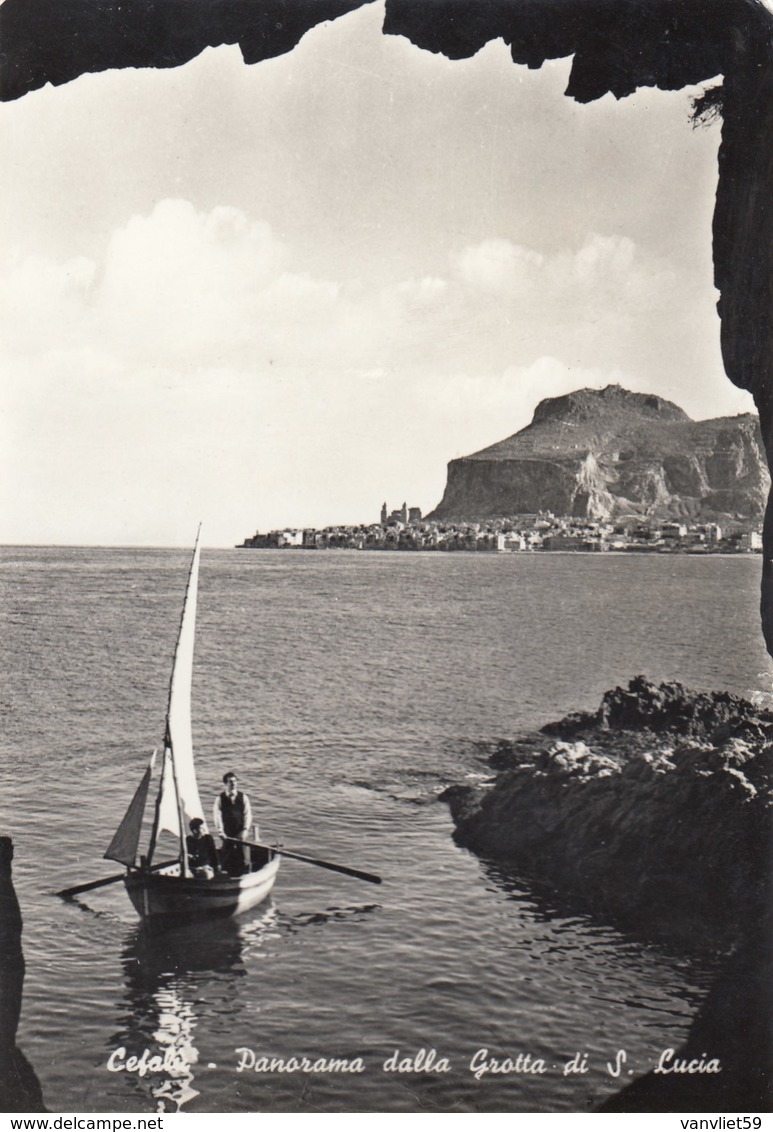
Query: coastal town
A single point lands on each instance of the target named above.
(405, 529)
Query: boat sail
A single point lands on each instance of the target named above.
(171, 889)
(126, 840)
(178, 799)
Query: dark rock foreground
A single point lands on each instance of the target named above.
(655, 811)
(734, 1025)
(19, 1087)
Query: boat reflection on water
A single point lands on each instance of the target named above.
(176, 977)
(165, 972)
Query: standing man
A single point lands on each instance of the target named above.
(233, 818)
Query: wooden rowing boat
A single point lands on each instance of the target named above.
(171, 890)
(168, 893)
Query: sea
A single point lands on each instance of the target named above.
(347, 690)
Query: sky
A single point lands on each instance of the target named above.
(282, 294)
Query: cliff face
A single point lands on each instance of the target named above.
(608, 453)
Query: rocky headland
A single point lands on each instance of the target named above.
(604, 454)
(654, 810)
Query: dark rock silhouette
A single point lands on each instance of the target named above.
(734, 1025)
(606, 453)
(19, 1087)
(54, 41)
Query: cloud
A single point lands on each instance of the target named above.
(422, 293)
(190, 288)
(497, 266)
(174, 287)
(201, 352)
(600, 268)
(179, 282)
(185, 289)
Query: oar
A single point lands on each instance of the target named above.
(309, 860)
(78, 888)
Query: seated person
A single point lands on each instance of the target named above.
(202, 852)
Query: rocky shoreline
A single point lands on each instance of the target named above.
(654, 810)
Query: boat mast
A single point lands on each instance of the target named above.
(154, 831)
(178, 718)
(180, 811)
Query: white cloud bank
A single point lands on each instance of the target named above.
(279, 294)
(184, 288)
(203, 347)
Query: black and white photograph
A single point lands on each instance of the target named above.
(386, 683)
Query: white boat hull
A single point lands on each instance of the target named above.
(167, 894)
